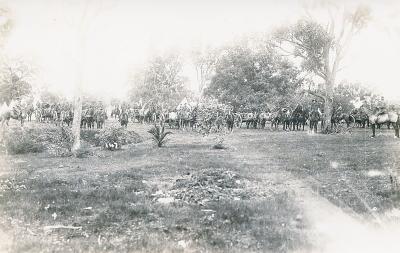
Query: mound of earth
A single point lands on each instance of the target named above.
(211, 185)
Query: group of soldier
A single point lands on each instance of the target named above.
(219, 115)
(93, 113)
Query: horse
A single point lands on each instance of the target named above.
(299, 118)
(194, 118)
(89, 117)
(67, 117)
(361, 119)
(29, 111)
(337, 118)
(115, 113)
(238, 119)
(390, 118)
(172, 119)
(184, 118)
(6, 115)
(275, 120)
(100, 117)
(285, 118)
(46, 114)
(314, 118)
(230, 121)
(250, 119)
(38, 114)
(124, 119)
(264, 117)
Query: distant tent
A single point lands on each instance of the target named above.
(4, 108)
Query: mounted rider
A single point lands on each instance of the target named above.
(315, 107)
(381, 106)
(298, 109)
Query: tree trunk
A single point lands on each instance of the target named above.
(328, 113)
(76, 124)
(328, 105)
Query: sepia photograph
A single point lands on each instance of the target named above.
(199, 126)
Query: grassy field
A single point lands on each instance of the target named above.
(188, 197)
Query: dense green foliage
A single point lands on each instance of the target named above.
(250, 79)
(161, 83)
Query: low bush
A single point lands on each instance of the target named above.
(21, 141)
(57, 141)
(33, 140)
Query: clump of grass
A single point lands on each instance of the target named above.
(159, 135)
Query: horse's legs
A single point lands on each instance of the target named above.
(373, 130)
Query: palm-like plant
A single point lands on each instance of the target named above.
(159, 135)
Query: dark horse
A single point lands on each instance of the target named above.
(299, 118)
(67, 117)
(361, 118)
(123, 119)
(337, 118)
(230, 121)
(88, 118)
(314, 118)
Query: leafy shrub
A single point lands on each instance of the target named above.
(56, 140)
(22, 141)
(159, 135)
(113, 138)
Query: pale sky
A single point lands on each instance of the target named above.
(122, 34)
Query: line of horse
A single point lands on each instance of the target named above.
(59, 114)
(291, 120)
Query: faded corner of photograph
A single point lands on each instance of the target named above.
(199, 126)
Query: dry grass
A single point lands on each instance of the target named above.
(140, 199)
